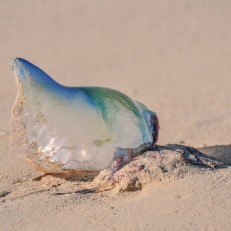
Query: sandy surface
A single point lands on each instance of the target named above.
(174, 56)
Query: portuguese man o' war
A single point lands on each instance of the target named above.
(59, 129)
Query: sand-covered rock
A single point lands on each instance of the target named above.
(170, 162)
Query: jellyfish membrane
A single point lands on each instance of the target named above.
(60, 129)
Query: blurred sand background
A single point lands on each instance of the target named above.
(173, 56)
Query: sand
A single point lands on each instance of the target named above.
(173, 56)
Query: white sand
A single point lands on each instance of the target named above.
(173, 56)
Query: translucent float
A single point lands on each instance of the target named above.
(60, 129)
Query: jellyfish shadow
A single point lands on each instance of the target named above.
(219, 152)
(218, 156)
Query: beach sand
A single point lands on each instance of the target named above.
(173, 56)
